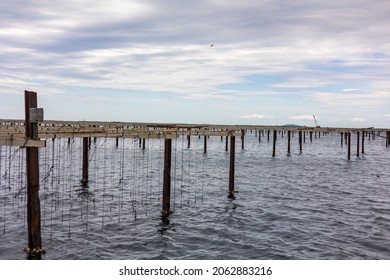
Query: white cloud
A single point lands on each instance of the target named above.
(255, 116)
(303, 117)
(358, 120)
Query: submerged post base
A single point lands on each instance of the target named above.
(34, 252)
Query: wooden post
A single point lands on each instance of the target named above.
(188, 140)
(205, 145)
(227, 144)
(363, 142)
(231, 169)
(342, 138)
(166, 207)
(84, 179)
(143, 143)
(288, 143)
(242, 139)
(34, 249)
(357, 143)
(117, 142)
(311, 136)
(300, 141)
(259, 136)
(304, 137)
(349, 145)
(268, 135)
(274, 144)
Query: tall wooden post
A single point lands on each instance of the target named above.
(358, 143)
(311, 136)
(363, 142)
(259, 136)
(231, 168)
(143, 143)
(242, 139)
(84, 179)
(274, 144)
(205, 145)
(188, 141)
(227, 144)
(34, 249)
(288, 143)
(268, 135)
(300, 141)
(304, 137)
(166, 207)
(342, 138)
(349, 145)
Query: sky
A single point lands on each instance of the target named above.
(262, 62)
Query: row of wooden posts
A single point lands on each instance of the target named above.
(33, 200)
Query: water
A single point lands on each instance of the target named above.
(316, 205)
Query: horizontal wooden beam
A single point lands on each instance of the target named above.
(79, 129)
(19, 142)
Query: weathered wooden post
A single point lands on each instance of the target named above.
(300, 141)
(288, 143)
(357, 143)
(166, 207)
(189, 138)
(231, 168)
(274, 144)
(84, 179)
(304, 137)
(227, 144)
(143, 143)
(205, 145)
(342, 138)
(32, 116)
(311, 136)
(349, 145)
(363, 142)
(268, 135)
(259, 136)
(242, 139)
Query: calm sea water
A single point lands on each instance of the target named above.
(316, 205)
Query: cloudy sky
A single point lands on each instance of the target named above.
(272, 62)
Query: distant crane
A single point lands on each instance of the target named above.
(315, 121)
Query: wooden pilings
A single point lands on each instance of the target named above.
(300, 141)
(227, 143)
(363, 132)
(34, 249)
(242, 139)
(357, 143)
(274, 144)
(231, 168)
(288, 143)
(387, 139)
(205, 145)
(84, 179)
(166, 207)
(349, 145)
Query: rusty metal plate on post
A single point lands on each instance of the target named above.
(36, 115)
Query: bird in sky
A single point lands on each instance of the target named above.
(211, 45)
